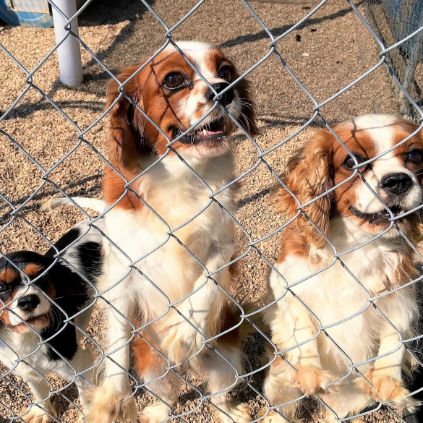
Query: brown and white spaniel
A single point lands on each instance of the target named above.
(170, 229)
(344, 301)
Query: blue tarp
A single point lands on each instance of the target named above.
(15, 18)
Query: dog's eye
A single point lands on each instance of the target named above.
(174, 80)
(225, 72)
(4, 288)
(349, 161)
(415, 156)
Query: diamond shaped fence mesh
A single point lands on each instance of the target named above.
(310, 64)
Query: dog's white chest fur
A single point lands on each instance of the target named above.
(169, 239)
(16, 349)
(339, 295)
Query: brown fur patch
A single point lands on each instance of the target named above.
(248, 111)
(308, 177)
(278, 363)
(230, 317)
(8, 275)
(32, 269)
(146, 358)
(4, 316)
(294, 243)
(114, 190)
(51, 291)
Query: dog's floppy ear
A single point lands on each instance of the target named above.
(247, 118)
(126, 121)
(310, 175)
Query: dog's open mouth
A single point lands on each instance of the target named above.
(378, 218)
(41, 318)
(37, 322)
(211, 131)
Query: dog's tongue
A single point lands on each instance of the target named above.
(207, 132)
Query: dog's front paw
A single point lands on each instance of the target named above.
(108, 405)
(239, 413)
(40, 415)
(309, 379)
(181, 342)
(388, 389)
(155, 413)
(271, 417)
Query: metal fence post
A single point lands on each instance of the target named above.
(70, 66)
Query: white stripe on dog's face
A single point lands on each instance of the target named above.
(171, 91)
(196, 105)
(383, 131)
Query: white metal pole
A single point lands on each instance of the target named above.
(70, 66)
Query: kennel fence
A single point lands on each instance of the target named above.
(405, 43)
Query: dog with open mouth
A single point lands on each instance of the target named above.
(342, 288)
(170, 199)
(44, 310)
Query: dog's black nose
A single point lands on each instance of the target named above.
(396, 183)
(226, 98)
(29, 302)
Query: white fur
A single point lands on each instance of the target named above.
(178, 197)
(381, 129)
(326, 324)
(27, 356)
(195, 105)
(152, 265)
(83, 202)
(338, 299)
(170, 272)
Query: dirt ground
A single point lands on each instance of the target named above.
(326, 53)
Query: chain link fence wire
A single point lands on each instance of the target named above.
(405, 42)
(394, 21)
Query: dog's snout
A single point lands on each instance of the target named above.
(396, 183)
(226, 98)
(29, 302)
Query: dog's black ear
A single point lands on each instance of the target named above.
(29, 260)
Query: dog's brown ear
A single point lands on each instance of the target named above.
(309, 176)
(248, 113)
(126, 121)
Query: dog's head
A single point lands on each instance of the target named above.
(175, 97)
(376, 177)
(25, 305)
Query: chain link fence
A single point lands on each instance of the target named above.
(21, 214)
(393, 22)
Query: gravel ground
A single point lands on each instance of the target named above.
(326, 53)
